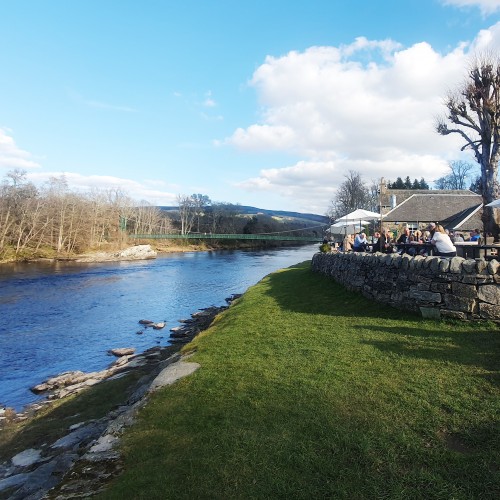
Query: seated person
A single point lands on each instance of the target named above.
(360, 243)
(412, 250)
(347, 243)
(376, 242)
(403, 239)
(442, 242)
(475, 235)
(386, 241)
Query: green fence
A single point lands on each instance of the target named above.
(213, 236)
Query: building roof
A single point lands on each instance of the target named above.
(454, 210)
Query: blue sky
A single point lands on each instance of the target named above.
(267, 103)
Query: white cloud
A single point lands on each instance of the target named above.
(156, 192)
(11, 156)
(486, 6)
(209, 102)
(92, 103)
(370, 106)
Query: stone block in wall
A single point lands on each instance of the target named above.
(481, 265)
(386, 259)
(444, 265)
(477, 279)
(357, 282)
(405, 262)
(469, 266)
(456, 265)
(494, 267)
(489, 311)
(463, 304)
(403, 284)
(423, 296)
(446, 313)
(440, 287)
(423, 287)
(464, 290)
(489, 293)
(422, 278)
(434, 264)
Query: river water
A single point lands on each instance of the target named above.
(65, 316)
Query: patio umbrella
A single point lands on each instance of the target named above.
(494, 204)
(347, 227)
(359, 215)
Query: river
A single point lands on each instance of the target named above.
(56, 317)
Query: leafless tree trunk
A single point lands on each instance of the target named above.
(474, 112)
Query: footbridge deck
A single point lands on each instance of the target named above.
(214, 236)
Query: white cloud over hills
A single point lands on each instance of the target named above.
(370, 106)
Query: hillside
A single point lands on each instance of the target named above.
(248, 210)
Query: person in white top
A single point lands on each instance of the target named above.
(442, 242)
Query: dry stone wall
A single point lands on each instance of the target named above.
(438, 287)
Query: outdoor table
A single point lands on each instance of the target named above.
(427, 247)
(473, 250)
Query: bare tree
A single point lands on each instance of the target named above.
(458, 178)
(200, 204)
(187, 212)
(474, 113)
(353, 193)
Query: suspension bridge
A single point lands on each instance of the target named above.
(214, 236)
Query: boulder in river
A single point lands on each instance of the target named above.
(122, 351)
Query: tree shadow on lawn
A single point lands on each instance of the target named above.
(298, 289)
(467, 347)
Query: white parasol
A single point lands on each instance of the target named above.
(359, 215)
(494, 204)
(347, 227)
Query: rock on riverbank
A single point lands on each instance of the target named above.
(138, 252)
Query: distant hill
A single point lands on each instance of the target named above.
(247, 210)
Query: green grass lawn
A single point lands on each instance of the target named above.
(309, 391)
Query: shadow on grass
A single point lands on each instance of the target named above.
(299, 289)
(475, 348)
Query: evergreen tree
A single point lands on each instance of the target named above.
(399, 184)
(423, 184)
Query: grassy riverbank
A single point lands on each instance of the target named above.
(309, 391)
(161, 246)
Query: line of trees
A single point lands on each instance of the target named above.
(399, 183)
(55, 220)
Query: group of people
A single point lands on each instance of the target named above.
(441, 240)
